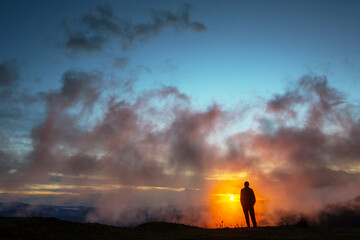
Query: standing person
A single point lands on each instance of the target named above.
(247, 199)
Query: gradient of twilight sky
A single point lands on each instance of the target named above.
(249, 47)
(200, 61)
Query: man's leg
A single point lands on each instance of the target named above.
(246, 213)
(252, 214)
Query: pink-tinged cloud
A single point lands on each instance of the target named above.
(157, 158)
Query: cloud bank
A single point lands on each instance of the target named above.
(156, 157)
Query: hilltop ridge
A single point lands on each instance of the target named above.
(55, 229)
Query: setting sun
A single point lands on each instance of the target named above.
(225, 207)
(232, 197)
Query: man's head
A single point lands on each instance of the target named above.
(246, 184)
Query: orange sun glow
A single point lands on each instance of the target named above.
(225, 207)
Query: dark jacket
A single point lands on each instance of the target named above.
(247, 197)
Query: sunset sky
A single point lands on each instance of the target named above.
(167, 107)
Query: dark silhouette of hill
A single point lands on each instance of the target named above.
(55, 229)
(161, 226)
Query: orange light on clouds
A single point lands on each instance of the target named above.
(223, 176)
(21, 192)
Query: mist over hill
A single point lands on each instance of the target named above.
(131, 217)
(341, 214)
(19, 209)
(344, 214)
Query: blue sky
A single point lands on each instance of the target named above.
(165, 74)
(249, 47)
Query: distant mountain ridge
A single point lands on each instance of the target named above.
(19, 209)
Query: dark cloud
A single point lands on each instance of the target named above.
(121, 62)
(9, 73)
(173, 91)
(102, 25)
(346, 147)
(80, 41)
(11, 94)
(314, 94)
(77, 87)
(80, 164)
(4, 163)
(187, 137)
(103, 20)
(9, 78)
(285, 103)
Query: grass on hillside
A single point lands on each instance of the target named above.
(51, 228)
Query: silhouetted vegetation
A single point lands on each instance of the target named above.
(303, 222)
(51, 228)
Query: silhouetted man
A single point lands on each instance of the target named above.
(247, 199)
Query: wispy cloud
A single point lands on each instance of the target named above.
(102, 25)
(9, 73)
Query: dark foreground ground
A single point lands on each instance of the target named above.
(51, 228)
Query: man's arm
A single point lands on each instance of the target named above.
(253, 196)
(241, 196)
